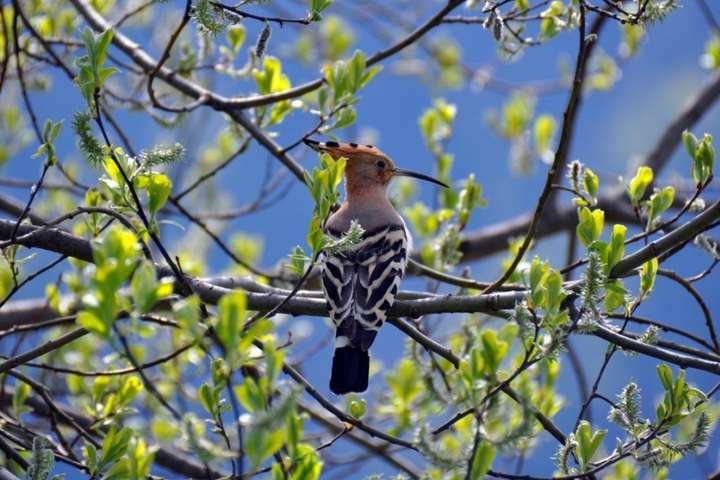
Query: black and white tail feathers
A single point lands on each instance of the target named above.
(360, 285)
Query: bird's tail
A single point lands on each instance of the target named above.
(350, 370)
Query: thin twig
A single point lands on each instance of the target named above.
(585, 46)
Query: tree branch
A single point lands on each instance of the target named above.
(164, 457)
(494, 238)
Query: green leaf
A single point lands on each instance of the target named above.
(22, 392)
(643, 178)
(294, 432)
(357, 407)
(235, 36)
(555, 291)
(347, 117)
(470, 197)
(473, 367)
(588, 442)
(590, 225)
(118, 245)
(615, 295)
(93, 323)
(271, 79)
(666, 377)
(605, 72)
(405, 381)
(548, 28)
(316, 238)
(690, 141)
(482, 459)
(711, 57)
(648, 272)
(261, 444)
(47, 148)
(632, 37)
(616, 250)
(140, 459)
(675, 403)
(119, 471)
(704, 159)
(298, 260)
(91, 456)
(114, 447)
(163, 429)
(273, 362)
(251, 395)
(316, 8)
(323, 184)
(369, 74)
(93, 197)
(308, 465)
(521, 5)
(232, 309)
(102, 42)
(143, 286)
(543, 132)
(207, 398)
(516, 115)
(591, 182)
(538, 273)
(158, 187)
(268, 430)
(92, 72)
(660, 201)
(436, 123)
(130, 389)
(52, 130)
(187, 313)
(494, 350)
(7, 281)
(356, 70)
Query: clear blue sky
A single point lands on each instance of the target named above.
(613, 128)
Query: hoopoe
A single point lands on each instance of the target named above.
(360, 284)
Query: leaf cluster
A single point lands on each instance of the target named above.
(93, 73)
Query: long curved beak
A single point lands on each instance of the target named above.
(421, 176)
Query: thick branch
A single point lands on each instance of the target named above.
(677, 237)
(494, 238)
(62, 242)
(683, 361)
(13, 207)
(686, 118)
(185, 86)
(232, 106)
(164, 457)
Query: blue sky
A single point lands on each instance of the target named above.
(613, 128)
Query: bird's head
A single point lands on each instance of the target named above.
(367, 167)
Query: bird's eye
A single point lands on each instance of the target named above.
(380, 164)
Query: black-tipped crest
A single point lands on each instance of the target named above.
(314, 144)
(353, 149)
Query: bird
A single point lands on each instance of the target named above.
(360, 284)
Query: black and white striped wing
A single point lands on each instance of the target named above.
(361, 283)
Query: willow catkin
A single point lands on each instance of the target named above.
(262, 41)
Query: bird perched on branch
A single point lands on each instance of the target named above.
(360, 283)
